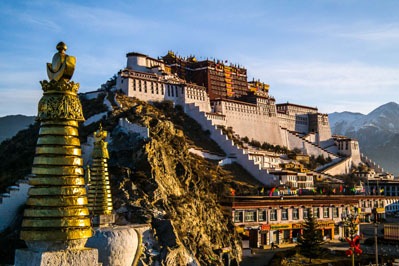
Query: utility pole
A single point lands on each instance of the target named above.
(375, 240)
(376, 235)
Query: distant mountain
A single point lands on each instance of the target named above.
(10, 125)
(377, 133)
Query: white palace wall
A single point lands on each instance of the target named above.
(228, 146)
(342, 167)
(324, 131)
(152, 88)
(247, 120)
(294, 141)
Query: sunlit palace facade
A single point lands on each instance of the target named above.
(263, 220)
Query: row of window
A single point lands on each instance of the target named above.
(261, 215)
(241, 108)
(341, 145)
(393, 207)
(137, 75)
(377, 204)
(222, 74)
(218, 83)
(156, 88)
(172, 90)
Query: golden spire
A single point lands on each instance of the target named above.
(62, 66)
(99, 191)
(56, 215)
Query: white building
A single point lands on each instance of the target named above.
(255, 115)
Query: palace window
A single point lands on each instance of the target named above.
(284, 214)
(316, 212)
(238, 216)
(336, 230)
(326, 212)
(306, 213)
(335, 212)
(262, 216)
(273, 215)
(250, 216)
(295, 214)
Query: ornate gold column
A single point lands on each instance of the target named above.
(56, 215)
(99, 190)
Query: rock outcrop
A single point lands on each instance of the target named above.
(177, 193)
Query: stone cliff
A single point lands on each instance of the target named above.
(177, 193)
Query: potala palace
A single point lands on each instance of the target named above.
(218, 95)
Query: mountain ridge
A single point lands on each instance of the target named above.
(377, 132)
(11, 124)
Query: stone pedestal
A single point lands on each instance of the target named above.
(75, 257)
(117, 245)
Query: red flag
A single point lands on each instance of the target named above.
(271, 191)
(340, 188)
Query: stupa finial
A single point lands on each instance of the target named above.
(62, 66)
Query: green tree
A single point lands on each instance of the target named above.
(310, 241)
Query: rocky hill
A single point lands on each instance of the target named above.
(156, 180)
(11, 124)
(377, 133)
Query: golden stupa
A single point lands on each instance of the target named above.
(99, 190)
(56, 214)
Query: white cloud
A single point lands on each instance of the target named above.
(372, 32)
(46, 24)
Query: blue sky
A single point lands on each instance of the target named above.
(336, 55)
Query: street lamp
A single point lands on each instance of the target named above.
(350, 222)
